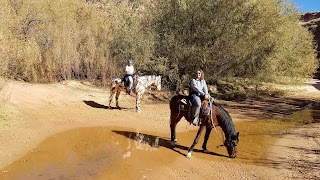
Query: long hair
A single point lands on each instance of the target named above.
(202, 74)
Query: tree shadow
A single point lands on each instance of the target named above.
(101, 106)
(305, 167)
(317, 85)
(269, 107)
(156, 141)
(157, 97)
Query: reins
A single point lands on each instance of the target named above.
(210, 101)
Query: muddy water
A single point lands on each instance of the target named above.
(113, 152)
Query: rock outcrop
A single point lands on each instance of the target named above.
(311, 20)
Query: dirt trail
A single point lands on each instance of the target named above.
(35, 112)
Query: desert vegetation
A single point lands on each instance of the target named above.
(3, 107)
(47, 41)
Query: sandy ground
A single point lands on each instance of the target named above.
(31, 113)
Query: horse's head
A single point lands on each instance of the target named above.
(156, 85)
(232, 145)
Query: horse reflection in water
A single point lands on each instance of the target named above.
(140, 85)
(217, 116)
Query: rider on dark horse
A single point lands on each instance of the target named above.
(198, 92)
(128, 78)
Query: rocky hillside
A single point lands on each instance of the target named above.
(312, 22)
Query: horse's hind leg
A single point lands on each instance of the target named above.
(200, 131)
(174, 119)
(117, 98)
(206, 137)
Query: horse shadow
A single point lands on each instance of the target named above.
(156, 141)
(101, 106)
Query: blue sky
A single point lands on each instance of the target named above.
(307, 5)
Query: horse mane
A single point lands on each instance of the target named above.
(226, 118)
(147, 80)
(149, 77)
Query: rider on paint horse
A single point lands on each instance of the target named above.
(128, 78)
(198, 92)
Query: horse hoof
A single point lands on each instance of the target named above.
(175, 140)
(206, 151)
(189, 155)
(173, 143)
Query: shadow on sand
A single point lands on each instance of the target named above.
(156, 141)
(101, 106)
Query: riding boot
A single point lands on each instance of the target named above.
(195, 119)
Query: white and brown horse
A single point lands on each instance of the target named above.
(140, 86)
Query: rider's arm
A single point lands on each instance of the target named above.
(205, 87)
(133, 71)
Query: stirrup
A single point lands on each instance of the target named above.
(195, 123)
(184, 101)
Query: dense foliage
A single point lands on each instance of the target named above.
(47, 41)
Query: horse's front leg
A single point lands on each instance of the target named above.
(200, 131)
(138, 100)
(117, 98)
(206, 137)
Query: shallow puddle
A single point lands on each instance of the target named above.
(90, 153)
(119, 153)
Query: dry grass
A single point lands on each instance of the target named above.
(3, 109)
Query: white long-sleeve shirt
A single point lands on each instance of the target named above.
(199, 86)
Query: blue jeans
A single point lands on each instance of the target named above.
(129, 80)
(195, 100)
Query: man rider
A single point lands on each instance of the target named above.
(129, 71)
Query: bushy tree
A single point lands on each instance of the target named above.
(243, 38)
(46, 41)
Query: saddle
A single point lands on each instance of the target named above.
(125, 83)
(186, 105)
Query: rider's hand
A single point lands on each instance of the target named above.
(207, 96)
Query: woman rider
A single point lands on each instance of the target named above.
(199, 91)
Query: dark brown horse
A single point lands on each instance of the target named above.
(219, 117)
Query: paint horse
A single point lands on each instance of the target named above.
(217, 116)
(140, 86)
